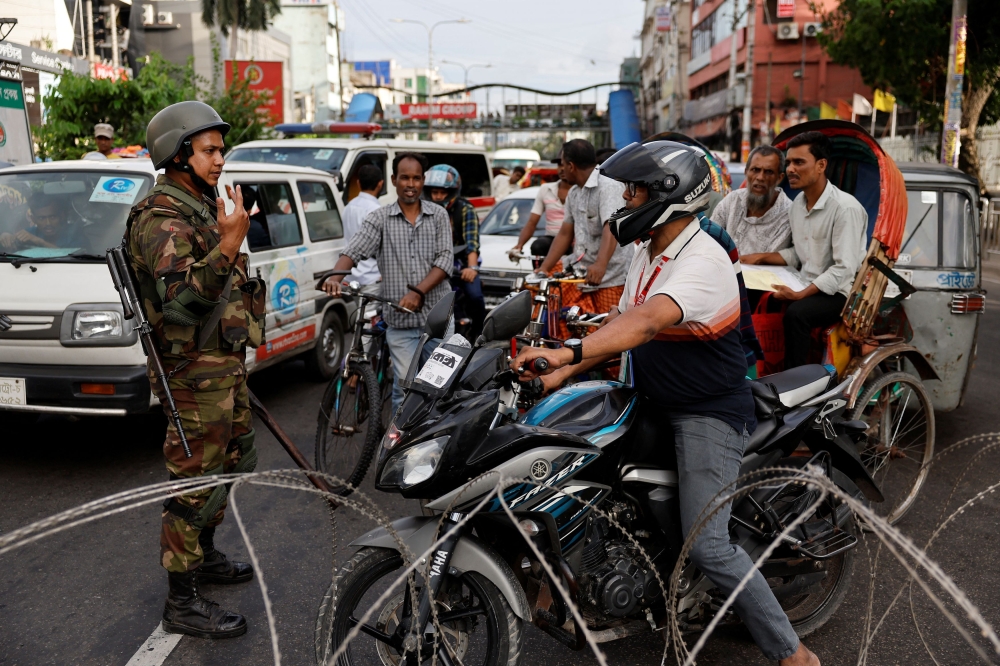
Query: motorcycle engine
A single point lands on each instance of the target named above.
(616, 579)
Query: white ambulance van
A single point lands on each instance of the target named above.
(70, 351)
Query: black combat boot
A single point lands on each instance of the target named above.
(217, 568)
(186, 612)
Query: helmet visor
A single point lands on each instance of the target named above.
(633, 164)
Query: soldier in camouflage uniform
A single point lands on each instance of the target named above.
(204, 310)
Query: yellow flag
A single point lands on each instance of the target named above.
(827, 111)
(777, 125)
(884, 101)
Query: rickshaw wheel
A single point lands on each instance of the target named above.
(899, 442)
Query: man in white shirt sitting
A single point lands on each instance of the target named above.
(829, 229)
(756, 216)
(371, 180)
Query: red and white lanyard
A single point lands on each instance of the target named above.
(640, 297)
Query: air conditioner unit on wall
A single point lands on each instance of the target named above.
(812, 29)
(788, 31)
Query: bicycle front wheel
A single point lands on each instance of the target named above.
(348, 427)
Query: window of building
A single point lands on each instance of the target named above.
(715, 28)
(407, 83)
(408, 99)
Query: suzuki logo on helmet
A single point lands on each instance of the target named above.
(698, 190)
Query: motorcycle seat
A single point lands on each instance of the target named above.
(800, 384)
(765, 428)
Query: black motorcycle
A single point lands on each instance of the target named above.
(597, 496)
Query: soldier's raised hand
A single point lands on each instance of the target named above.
(233, 227)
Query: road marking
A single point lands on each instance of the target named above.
(156, 649)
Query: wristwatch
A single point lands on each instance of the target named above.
(576, 345)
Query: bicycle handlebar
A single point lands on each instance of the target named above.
(374, 297)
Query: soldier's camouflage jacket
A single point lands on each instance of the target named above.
(173, 241)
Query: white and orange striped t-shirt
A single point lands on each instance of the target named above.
(698, 365)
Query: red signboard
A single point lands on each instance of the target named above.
(786, 8)
(286, 342)
(102, 71)
(262, 75)
(447, 110)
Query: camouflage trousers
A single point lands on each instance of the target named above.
(214, 412)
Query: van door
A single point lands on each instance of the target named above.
(475, 173)
(352, 186)
(278, 252)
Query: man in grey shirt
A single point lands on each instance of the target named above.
(829, 230)
(411, 239)
(590, 202)
(756, 216)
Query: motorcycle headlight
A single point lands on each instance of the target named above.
(89, 324)
(414, 465)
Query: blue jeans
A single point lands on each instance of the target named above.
(402, 346)
(474, 305)
(709, 453)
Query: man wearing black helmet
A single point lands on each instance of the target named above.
(185, 251)
(680, 318)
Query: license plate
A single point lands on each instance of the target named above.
(13, 391)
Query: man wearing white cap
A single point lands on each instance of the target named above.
(104, 134)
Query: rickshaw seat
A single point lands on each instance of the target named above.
(799, 384)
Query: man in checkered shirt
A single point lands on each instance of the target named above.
(411, 241)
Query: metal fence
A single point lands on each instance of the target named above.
(927, 148)
(991, 228)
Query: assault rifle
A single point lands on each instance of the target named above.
(128, 290)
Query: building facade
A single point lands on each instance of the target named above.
(315, 27)
(793, 78)
(179, 34)
(665, 42)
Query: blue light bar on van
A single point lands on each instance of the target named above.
(329, 127)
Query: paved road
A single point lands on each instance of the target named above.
(92, 595)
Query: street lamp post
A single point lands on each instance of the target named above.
(466, 78)
(430, 60)
(466, 68)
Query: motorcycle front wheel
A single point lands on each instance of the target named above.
(475, 619)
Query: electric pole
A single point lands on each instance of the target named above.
(748, 93)
(951, 135)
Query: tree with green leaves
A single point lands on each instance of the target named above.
(234, 15)
(77, 103)
(902, 46)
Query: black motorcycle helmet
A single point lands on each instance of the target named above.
(678, 180)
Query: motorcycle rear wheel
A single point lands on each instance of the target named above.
(487, 633)
(809, 612)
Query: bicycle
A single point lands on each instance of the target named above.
(346, 433)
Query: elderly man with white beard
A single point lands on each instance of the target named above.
(756, 216)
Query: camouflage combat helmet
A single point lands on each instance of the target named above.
(171, 128)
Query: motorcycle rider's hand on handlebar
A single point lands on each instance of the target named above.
(525, 363)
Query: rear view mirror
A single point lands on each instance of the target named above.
(439, 316)
(509, 318)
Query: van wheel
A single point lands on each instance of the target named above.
(323, 360)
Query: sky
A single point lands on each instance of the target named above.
(546, 44)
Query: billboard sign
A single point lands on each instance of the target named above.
(663, 19)
(15, 137)
(262, 75)
(444, 110)
(786, 8)
(380, 68)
